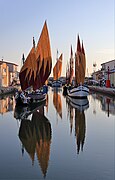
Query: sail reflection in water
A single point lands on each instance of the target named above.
(35, 135)
(57, 103)
(76, 108)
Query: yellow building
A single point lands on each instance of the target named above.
(4, 74)
(8, 73)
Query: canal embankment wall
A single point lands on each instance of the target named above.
(104, 90)
(7, 90)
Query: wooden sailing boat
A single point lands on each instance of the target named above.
(38, 64)
(80, 90)
(69, 69)
(57, 70)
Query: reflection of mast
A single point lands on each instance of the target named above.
(94, 104)
(108, 102)
(71, 119)
(80, 129)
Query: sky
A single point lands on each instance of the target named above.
(93, 20)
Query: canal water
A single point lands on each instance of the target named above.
(62, 140)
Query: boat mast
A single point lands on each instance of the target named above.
(34, 45)
(57, 65)
(23, 59)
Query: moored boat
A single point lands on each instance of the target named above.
(37, 68)
(56, 83)
(57, 73)
(79, 90)
(81, 104)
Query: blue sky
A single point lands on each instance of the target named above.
(20, 20)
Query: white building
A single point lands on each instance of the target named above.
(109, 68)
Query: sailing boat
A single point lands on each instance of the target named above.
(80, 90)
(37, 66)
(69, 70)
(57, 70)
(69, 73)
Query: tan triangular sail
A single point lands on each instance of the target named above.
(37, 66)
(80, 63)
(57, 70)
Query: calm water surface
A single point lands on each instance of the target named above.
(60, 141)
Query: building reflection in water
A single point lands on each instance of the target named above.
(35, 136)
(7, 103)
(107, 103)
(76, 108)
(57, 103)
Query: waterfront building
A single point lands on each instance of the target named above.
(8, 73)
(107, 70)
(109, 67)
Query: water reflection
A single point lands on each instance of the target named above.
(52, 151)
(57, 103)
(76, 108)
(23, 112)
(35, 136)
(7, 103)
(107, 103)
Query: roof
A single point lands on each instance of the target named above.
(108, 61)
(8, 62)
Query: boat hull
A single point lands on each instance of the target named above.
(22, 100)
(78, 92)
(56, 84)
(34, 97)
(81, 104)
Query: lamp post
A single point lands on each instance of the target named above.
(108, 79)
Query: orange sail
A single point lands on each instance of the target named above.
(80, 63)
(83, 62)
(57, 68)
(37, 66)
(57, 103)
